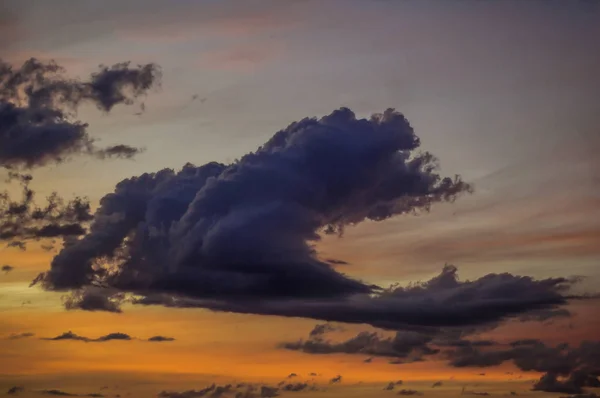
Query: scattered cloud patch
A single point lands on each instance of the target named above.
(38, 104)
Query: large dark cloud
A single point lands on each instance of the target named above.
(38, 102)
(240, 237)
(25, 220)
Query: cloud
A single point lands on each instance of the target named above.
(113, 336)
(72, 336)
(119, 151)
(93, 299)
(67, 394)
(321, 329)
(409, 392)
(160, 339)
(219, 233)
(408, 345)
(7, 268)
(18, 336)
(240, 237)
(68, 336)
(37, 104)
(15, 390)
(216, 391)
(572, 385)
(58, 393)
(25, 220)
(296, 387)
(578, 366)
(436, 384)
(336, 379)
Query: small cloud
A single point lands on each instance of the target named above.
(160, 338)
(336, 262)
(336, 379)
(119, 151)
(7, 268)
(72, 336)
(436, 384)
(295, 387)
(15, 390)
(113, 336)
(390, 386)
(58, 393)
(409, 392)
(67, 336)
(17, 336)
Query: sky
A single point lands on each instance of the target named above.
(238, 199)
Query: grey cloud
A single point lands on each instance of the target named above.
(25, 220)
(580, 366)
(409, 392)
(67, 394)
(572, 385)
(268, 392)
(93, 299)
(321, 329)
(239, 237)
(405, 344)
(218, 233)
(113, 336)
(336, 379)
(15, 390)
(72, 336)
(18, 336)
(58, 393)
(119, 151)
(160, 339)
(228, 390)
(443, 301)
(296, 387)
(37, 103)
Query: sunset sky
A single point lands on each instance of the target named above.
(503, 93)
